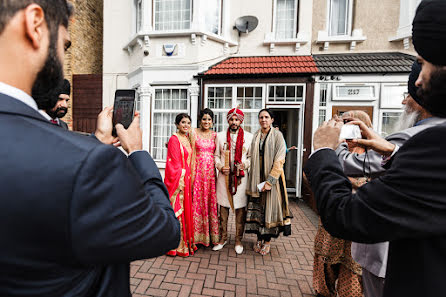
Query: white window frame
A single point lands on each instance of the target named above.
(153, 111)
(296, 17)
(139, 15)
(383, 87)
(304, 92)
(381, 116)
(349, 19)
(234, 96)
(170, 30)
(337, 98)
(220, 19)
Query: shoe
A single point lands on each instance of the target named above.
(257, 246)
(239, 249)
(219, 246)
(265, 250)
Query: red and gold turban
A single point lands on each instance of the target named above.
(236, 112)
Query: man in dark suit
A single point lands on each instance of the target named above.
(73, 211)
(61, 108)
(407, 205)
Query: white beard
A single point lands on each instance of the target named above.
(407, 119)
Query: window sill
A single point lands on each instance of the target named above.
(357, 36)
(143, 38)
(405, 37)
(272, 41)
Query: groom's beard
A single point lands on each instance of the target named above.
(234, 128)
(407, 119)
(45, 90)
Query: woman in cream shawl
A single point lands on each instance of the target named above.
(268, 212)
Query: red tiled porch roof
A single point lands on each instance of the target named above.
(264, 65)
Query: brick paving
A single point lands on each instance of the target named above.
(286, 271)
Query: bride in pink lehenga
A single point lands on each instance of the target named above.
(204, 198)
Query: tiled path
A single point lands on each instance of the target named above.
(287, 271)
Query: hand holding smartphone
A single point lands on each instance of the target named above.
(123, 108)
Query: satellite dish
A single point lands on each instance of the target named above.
(246, 24)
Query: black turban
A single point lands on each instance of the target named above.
(65, 88)
(429, 31)
(413, 76)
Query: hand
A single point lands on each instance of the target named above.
(327, 135)
(373, 140)
(105, 126)
(241, 166)
(130, 139)
(293, 148)
(225, 170)
(266, 187)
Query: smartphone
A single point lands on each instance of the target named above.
(123, 108)
(349, 132)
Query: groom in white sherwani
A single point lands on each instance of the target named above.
(232, 163)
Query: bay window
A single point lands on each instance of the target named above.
(172, 15)
(212, 17)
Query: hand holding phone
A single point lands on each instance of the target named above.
(123, 108)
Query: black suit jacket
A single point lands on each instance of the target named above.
(63, 124)
(406, 206)
(74, 212)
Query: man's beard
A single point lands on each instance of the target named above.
(433, 93)
(60, 112)
(49, 79)
(234, 129)
(407, 119)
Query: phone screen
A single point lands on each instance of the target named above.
(123, 109)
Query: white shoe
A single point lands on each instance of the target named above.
(219, 246)
(239, 249)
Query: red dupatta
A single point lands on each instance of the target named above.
(175, 173)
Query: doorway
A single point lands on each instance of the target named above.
(340, 110)
(290, 123)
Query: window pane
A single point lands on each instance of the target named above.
(286, 15)
(172, 101)
(338, 17)
(212, 15)
(271, 93)
(280, 93)
(322, 114)
(251, 122)
(291, 93)
(172, 14)
(323, 95)
(389, 121)
(393, 96)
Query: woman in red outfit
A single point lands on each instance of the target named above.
(178, 182)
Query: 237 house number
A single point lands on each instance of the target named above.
(352, 92)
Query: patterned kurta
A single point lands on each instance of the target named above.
(204, 198)
(240, 199)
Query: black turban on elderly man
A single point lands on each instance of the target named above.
(429, 31)
(412, 88)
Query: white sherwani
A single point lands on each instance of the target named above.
(240, 199)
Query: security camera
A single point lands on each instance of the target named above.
(146, 52)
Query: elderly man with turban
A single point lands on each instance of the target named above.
(232, 163)
(407, 205)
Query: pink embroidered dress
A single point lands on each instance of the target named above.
(204, 197)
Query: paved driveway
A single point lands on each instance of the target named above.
(287, 271)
